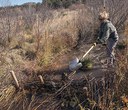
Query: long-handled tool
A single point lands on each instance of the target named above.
(77, 63)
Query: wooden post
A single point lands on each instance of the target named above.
(41, 79)
(15, 78)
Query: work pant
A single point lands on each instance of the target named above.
(111, 44)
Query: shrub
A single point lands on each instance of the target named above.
(122, 67)
(60, 3)
(121, 46)
(87, 64)
(30, 55)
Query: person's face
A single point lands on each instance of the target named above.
(101, 19)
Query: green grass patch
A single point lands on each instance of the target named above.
(87, 64)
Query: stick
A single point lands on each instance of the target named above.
(104, 4)
(15, 78)
(41, 79)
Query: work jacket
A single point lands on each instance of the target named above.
(107, 30)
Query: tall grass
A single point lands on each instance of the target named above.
(122, 66)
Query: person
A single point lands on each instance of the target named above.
(107, 36)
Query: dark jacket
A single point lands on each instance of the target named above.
(107, 30)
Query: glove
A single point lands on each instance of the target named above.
(104, 44)
(100, 41)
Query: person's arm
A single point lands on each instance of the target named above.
(99, 35)
(106, 33)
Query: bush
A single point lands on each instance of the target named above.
(60, 3)
(122, 68)
(121, 46)
(30, 55)
(87, 64)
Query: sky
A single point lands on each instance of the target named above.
(17, 2)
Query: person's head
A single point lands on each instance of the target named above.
(103, 16)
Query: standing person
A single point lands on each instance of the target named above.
(107, 36)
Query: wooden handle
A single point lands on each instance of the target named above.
(88, 51)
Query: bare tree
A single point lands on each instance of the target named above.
(87, 22)
(118, 10)
(6, 24)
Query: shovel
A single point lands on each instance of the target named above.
(77, 63)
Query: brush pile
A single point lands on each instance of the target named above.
(67, 94)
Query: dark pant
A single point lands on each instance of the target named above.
(111, 44)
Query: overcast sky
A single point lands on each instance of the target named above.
(16, 2)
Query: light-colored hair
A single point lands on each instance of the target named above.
(103, 15)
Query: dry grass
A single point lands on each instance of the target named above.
(46, 40)
(122, 67)
(6, 96)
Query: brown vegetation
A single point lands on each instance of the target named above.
(33, 39)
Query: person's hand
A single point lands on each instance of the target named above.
(100, 41)
(104, 44)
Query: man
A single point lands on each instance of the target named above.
(107, 36)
